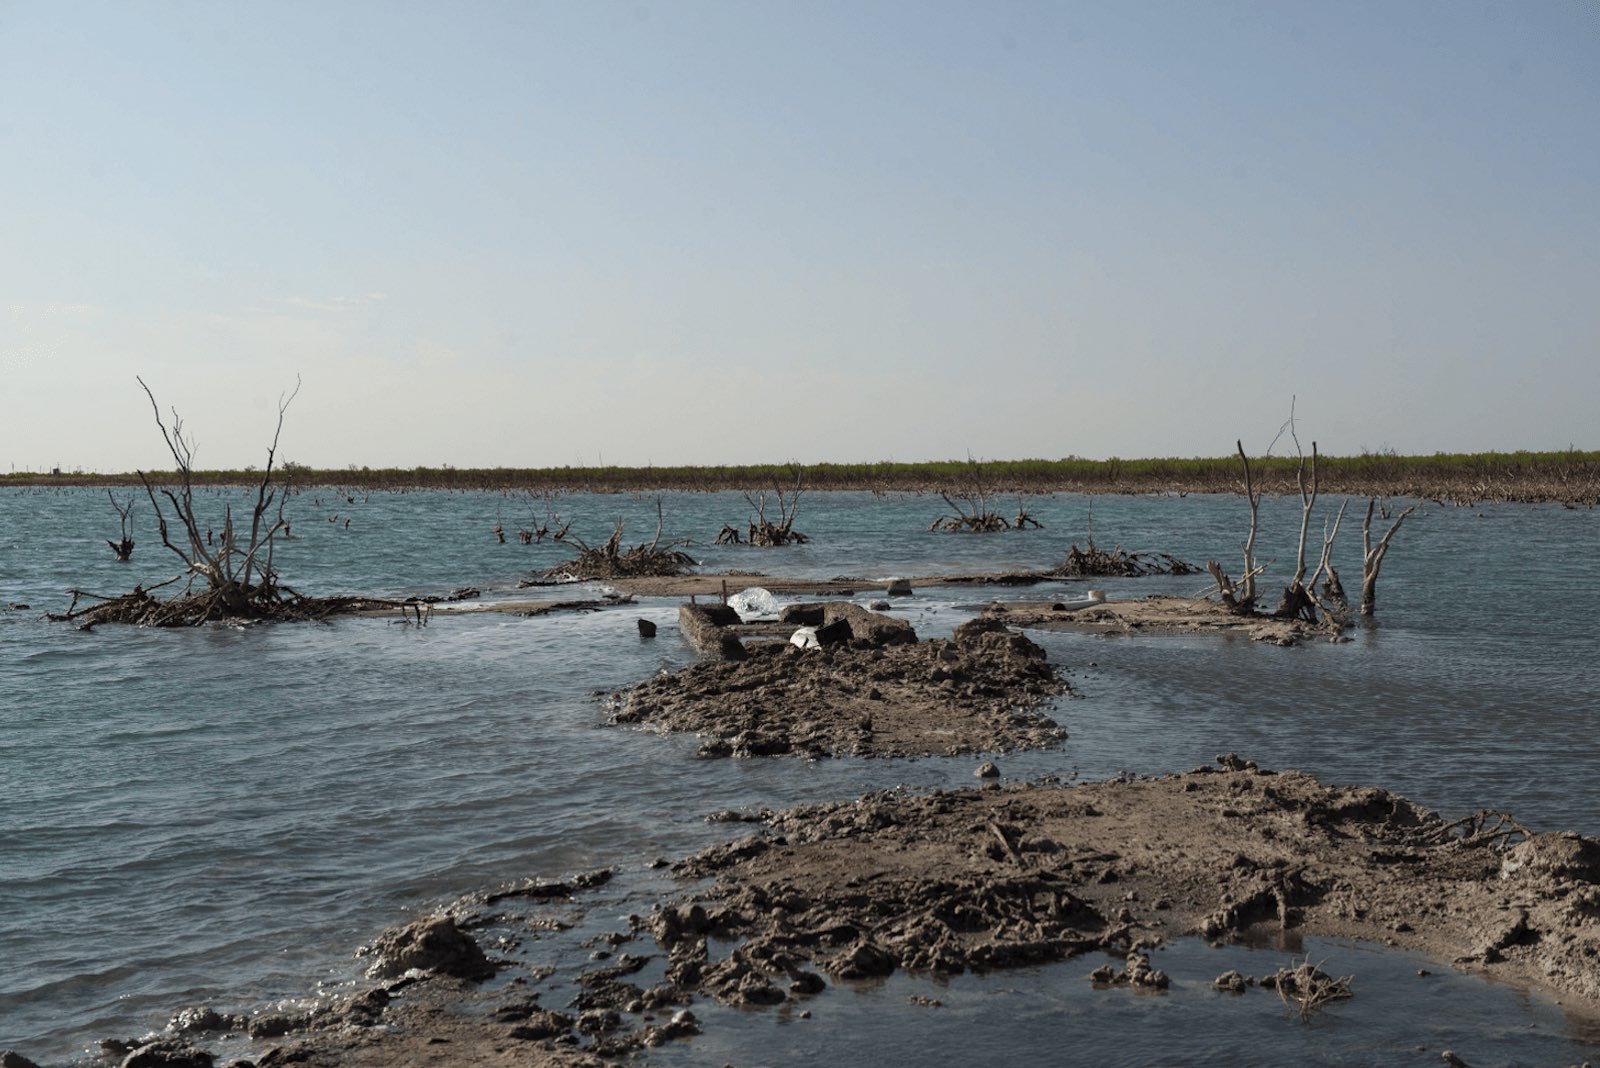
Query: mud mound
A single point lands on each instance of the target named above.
(434, 944)
(974, 692)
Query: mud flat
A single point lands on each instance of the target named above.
(876, 691)
(973, 879)
(1154, 615)
(996, 877)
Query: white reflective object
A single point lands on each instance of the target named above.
(805, 638)
(754, 603)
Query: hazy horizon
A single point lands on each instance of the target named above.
(514, 235)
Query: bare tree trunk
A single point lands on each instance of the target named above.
(1372, 555)
(1297, 599)
(1241, 597)
(235, 576)
(122, 550)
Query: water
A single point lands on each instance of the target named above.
(222, 815)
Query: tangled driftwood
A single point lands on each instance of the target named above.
(1307, 988)
(231, 576)
(612, 561)
(1095, 562)
(762, 531)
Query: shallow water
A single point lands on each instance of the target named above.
(223, 815)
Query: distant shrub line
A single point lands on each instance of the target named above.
(1571, 476)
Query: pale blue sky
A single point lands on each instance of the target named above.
(534, 234)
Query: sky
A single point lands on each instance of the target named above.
(579, 233)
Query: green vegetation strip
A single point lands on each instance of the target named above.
(1569, 476)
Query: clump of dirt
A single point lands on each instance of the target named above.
(432, 944)
(878, 693)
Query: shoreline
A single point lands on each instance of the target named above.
(987, 878)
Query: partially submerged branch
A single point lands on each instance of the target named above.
(1372, 555)
(122, 550)
(1241, 597)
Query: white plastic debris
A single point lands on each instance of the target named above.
(754, 603)
(805, 638)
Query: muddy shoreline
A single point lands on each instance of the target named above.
(981, 879)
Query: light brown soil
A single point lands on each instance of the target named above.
(1156, 615)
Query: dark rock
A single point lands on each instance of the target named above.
(807, 983)
(366, 1009)
(167, 1054)
(834, 633)
(1231, 981)
(862, 961)
(599, 1021)
(13, 1059)
(987, 770)
(275, 1025)
(976, 627)
(810, 614)
(647, 629)
(203, 1018)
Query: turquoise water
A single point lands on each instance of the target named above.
(222, 815)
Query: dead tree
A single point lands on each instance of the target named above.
(612, 561)
(1024, 520)
(234, 571)
(537, 531)
(1298, 602)
(969, 498)
(122, 550)
(1241, 597)
(1372, 555)
(1331, 599)
(764, 532)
